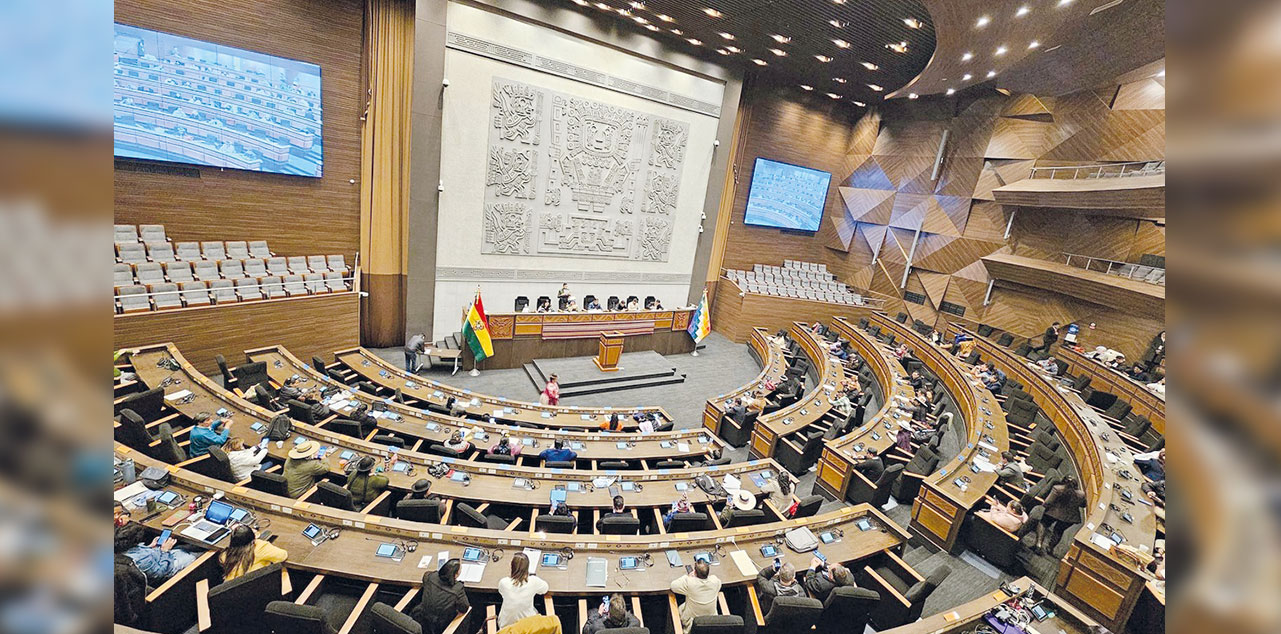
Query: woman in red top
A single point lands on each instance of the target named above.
(552, 391)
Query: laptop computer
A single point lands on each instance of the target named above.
(211, 528)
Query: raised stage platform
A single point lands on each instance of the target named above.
(578, 375)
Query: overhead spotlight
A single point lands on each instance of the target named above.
(982, 22)
(838, 24)
(913, 23)
(1064, 3)
(713, 12)
(967, 77)
(870, 66)
(1161, 74)
(967, 57)
(581, 3)
(694, 41)
(728, 36)
(651, 27)
(899, 47)
(733, 49)
(638, 5)
(781, 39)
(1023, 10)
(760, 62)
(951, 91)
(823, 58)
(991, 74)
(839, 80)
(1001, 50)
(1033, 44)
(640, 20)
(838, 1)
(860, 104)
(841, 43)
(833, 95)
(875, 87)
(677, 32)
(806, 87)
(602, 5)
(913, 96)
(779, 52)
(722, 51)
(664, 17)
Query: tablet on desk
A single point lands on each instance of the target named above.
(682, 486)
(574, 487)
(769, 550)
(553, 560)
(673, 558)
(347, 455)
(864, 525)
(666, 444)
(629, 486)
(386, 550)
(620, 444)
(258, 427)
(238, 515)
(458, 476)
(311, 532)
(168, 497)
(827, 537)
(473, 554)
(400, 467)
(629, 563)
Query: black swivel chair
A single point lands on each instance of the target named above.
(1005, 340)
(620, 526)
(650, 300)
(808, 506)
(861, 490)
(669, 464)
(331, 495)
(847, 609)
(441, 450)
(559, 464)
(632, 298)
(562, 524)
(716, 624)
(389, 440)
(168, 450)
(215, 465)
(300, 411)
(624, 630)
(384, 619)
(251, 374)
(287, 617)
(521, 303)
(893, 612)
(901, 318)
(543, 300)
(611, 303)
(587, 301)
(272, 483)
(499, 458)
(985, 330)
(147, 405)
(792, 615)
(689, 522)
(562, 302)
(132, 431)
(419, 511)
(915, 472)
(744, 518)
(345, 427)
(237, 606)
(228, 381)
(318, 365)
(466, 515)
(616, 465)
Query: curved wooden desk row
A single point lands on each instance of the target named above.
(773, 366)
(370, 367)
(1141, 399)
(966, 617)
(1091, 575)
(489, 482)
(351, 555)
(432, 427)
(770, 429)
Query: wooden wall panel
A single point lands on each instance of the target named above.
(296, 215)
(307, 326)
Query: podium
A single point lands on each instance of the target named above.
(610, 349)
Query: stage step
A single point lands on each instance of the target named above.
(634, 367)
(615, 386)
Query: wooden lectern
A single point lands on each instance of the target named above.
(611, 348)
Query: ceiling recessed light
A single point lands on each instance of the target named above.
(638, 5)
(841, 43)
(779, 52)
(1000, 50)
(806, 87)
(870, 66)
(823, 58)
(733, 49)
(913, 96)
(838, 1)
(760, 62)
(1064, 3)
(625, 13)
(833, 95)
(967, 57)
(728, 36)
(677, 32)
(651, 27)
(860, 104)
(722, 51)
(664, 17)
(991, 74)
(982, 22)
(967, 77)
(581, 3)
(694, 41)
(898, 47)
(838, 24)
(602, 5)
(1033, 44)
(781, 39)
(875, 87)
(951, 91)
(912, 23)
(640, 20)
(1161, 74)
(839, 80)
(1023, 10)
(712, 12)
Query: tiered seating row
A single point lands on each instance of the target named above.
(802, 280)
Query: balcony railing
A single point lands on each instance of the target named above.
(1100, 170)
(1150, 274)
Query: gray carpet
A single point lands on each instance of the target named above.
(720, 367)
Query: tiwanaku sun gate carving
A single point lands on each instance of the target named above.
(574, 177)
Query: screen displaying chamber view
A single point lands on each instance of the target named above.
(186, 101)
(786, 196)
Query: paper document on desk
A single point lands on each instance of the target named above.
(1102, 542)
(471, 573)
(534, 555)
(177, 395)
(744, 563)
(682, 447)
(597, 572)
(1111, 457)
(129, 491)
(988, 446)
(731, 483)
(983, 464)
(602, 483)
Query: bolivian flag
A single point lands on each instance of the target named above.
(701, 323)
(476, 331)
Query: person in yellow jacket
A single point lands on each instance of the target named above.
(246, 553)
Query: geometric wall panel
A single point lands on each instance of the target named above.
(868, 205)
(999, 173)
(1019, 139)
(935, 284)
(986, 221)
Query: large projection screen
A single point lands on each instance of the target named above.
(186, 101)
(786, 196)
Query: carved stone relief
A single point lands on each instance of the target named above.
(603, 163)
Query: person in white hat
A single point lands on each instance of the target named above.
(303, 468)
(740, 501)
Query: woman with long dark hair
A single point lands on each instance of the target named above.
(246, 553)
(444, 598)
(518, 591)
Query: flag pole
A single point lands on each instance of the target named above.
(475, 365)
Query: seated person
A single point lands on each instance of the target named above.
(421, 490)
(852, 386)
(558, 452)
(917, 381)
(320, 411)
(755, 402)
(1010, 471)
(157, 561)
(658, 304)
(1009, 517)
(842, 405)
(612, 614)
(774, 582)
(613, 424)
(1152, 467)
(902, 351)
(544, 306)
(289, 390)
(504, 447)
(645, 422)
(208, 432)
(994, 380)
(735, 409)
(823, 578)
(244, 461)
(1048, 365)
(364, 484)
(458, 442)
(1155, 490)
(561, 509)
(572, 306)
(681, 505)
(455, 407)
(1158, 387)
(870, 465)
(779, 339)
(593, 304)
(712, 456)
(617, 510)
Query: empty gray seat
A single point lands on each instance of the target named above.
(272, 287)
(293, 285)
(194, 293)
(277, 266)
(125, 233)
(207, 270)
(131, 252)
(298, 264)
(152, 234)
(317, 263)
(150, 273)
(231, 269)
(222, 291)
(187, 251)
(178, 272)
(334, 282)
(165, 295)
(255, 268)
(258, 249)
(160, 252)
(336, 263)
(237, 249)
(315, 283)
(213, 250)
(247, 289)
(133, 298)
(122, 275)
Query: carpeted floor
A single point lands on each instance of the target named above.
(720, 367)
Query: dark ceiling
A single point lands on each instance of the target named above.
(866, 25)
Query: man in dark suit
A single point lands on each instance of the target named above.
(1050, 338)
